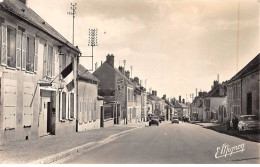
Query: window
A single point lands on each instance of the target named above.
(30, 53)
(11, 47)
(71, 105)
(63, 105)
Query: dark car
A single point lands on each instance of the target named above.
(175, 120)
(154, 120)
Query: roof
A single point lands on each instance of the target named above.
(180, 105)
(20, 10)
(252, 66)
(84, 74)
(153, 98)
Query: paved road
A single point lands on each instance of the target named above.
(169, 143)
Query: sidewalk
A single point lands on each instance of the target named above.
(27, 151)
(222, 128)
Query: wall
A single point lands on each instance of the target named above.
(88, 96)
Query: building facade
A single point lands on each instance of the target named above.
(243, 91)
(35, 100)
(90, 106)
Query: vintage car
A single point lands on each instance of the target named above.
(154, 120)
(248, 123)
(175, 120)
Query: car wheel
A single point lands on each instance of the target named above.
(157, 124)
(149, 124)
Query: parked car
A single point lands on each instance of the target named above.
(186, 119)
(175, 120)
(248, 123)
(154, 120)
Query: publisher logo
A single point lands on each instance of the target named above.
(226, 150)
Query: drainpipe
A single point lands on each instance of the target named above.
(241, 96)
(77, 83)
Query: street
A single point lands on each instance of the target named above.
(169, 143)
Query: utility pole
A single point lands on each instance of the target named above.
(124, 61)
(145, 83)
(196, 92)
(73, 13)
(92, 41)
(238, 13)
(131, 67)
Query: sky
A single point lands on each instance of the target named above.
(175, 45)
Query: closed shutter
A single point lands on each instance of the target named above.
(27, 101)
(68, 106)
(60, 102)
(53, 62)
(72, 113)
(95, 109)
(45, 53)
(4, 46)
(36, 54)
(24, 45)
(60, 65)
(85, 109)
(88, 110)
(10, 98)
(18, 49)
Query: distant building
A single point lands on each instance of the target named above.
(243, 90)
(90, 106)
(214, 102)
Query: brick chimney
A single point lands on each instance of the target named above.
(179, 99)
(164, 97)
(121, 69)
(155, 92)
(136, 79)
(127, 74)
(110, 59)
(183, 101)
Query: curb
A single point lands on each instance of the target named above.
(88, 146)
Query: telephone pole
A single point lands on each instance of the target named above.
(73, 13)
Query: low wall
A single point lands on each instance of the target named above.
(89, 125)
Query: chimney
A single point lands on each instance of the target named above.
(101, 62)
(155, 92)
(141, 82)
(215, 83)
(136, 79)
(179, 99)
(121, 69)
(183, 101)
(164, 97)
(24, 1)
(110, 60)
(127, 74)
(200, 94)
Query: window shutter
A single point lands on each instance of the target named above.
(45, 52)
(60, 98)
(24, 45)
(68, 105)
(60, 65)
(36, 54)
(67, 108)
(4, 46)
(19, 49)
(53, 62)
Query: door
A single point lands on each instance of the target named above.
(44, 116)
(101, 117)
(249, 104)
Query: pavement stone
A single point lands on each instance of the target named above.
(20, 152)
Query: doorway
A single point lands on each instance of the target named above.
(249, 104)
(45, 117)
